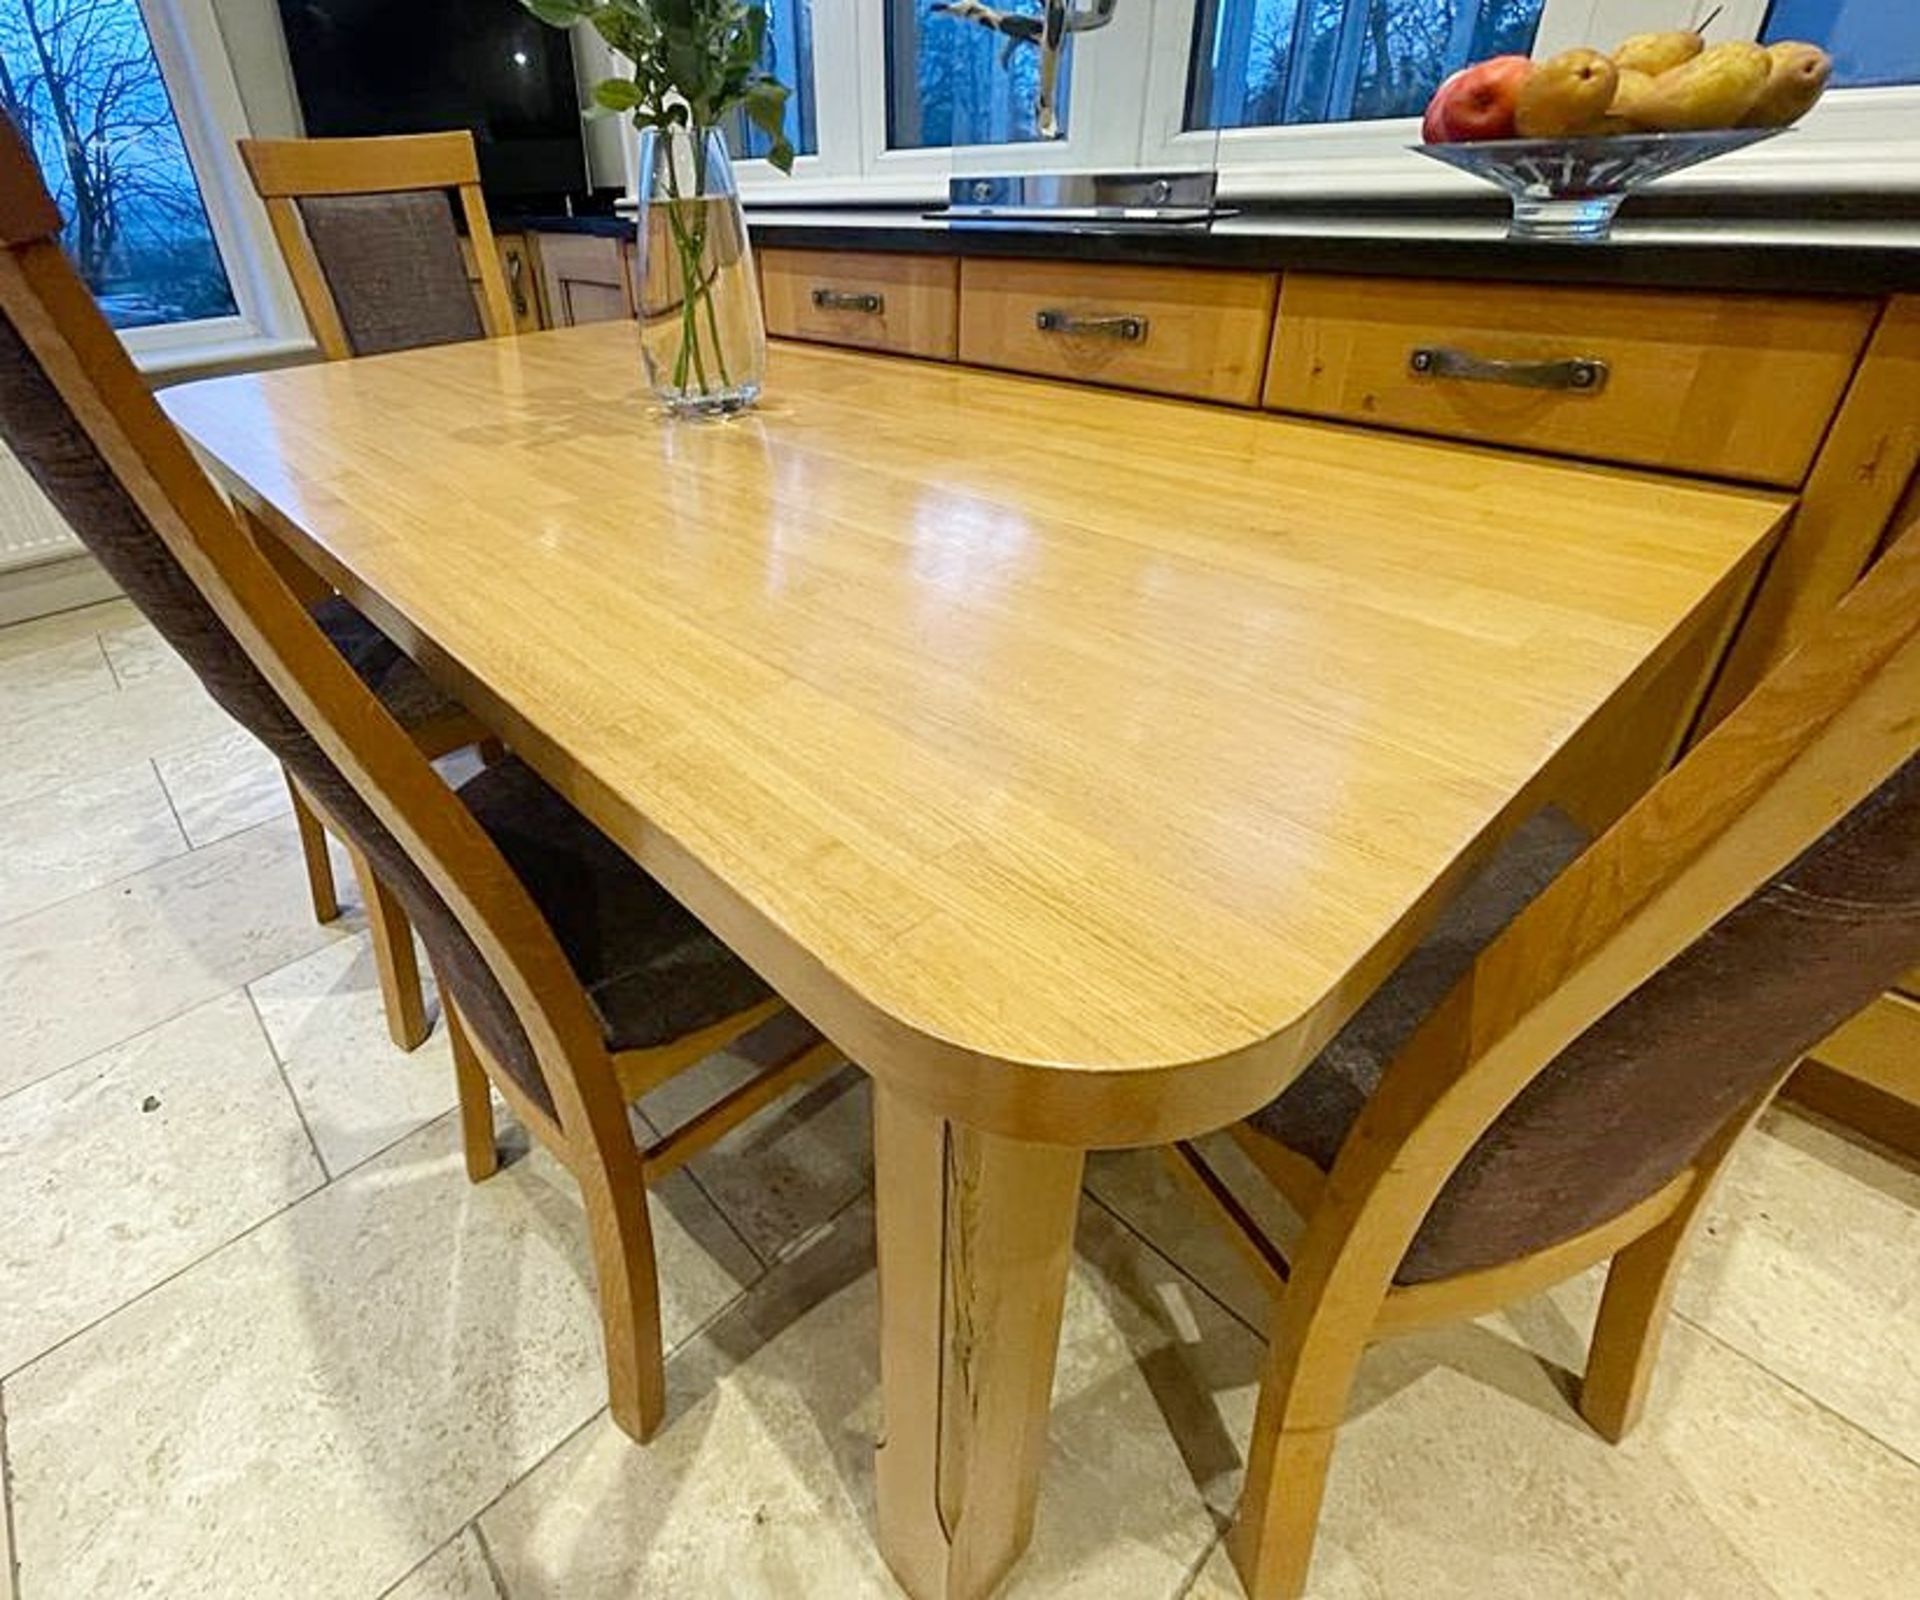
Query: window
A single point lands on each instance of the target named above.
(1871, 41)
(951, 81)
(789, 57)
(1265, 63)
(80, 81)
(131, 110)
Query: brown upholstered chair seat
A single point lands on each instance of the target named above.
(413, 699)
(1317, 1110)
(651, 970)
(1314, 1114)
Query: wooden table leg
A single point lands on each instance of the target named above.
(976, 1234)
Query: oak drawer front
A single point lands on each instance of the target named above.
(1169, 329)
(906, 304)
(1739, 386)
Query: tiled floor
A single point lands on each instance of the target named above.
(260, 1338)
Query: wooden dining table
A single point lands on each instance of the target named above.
(1077, 761)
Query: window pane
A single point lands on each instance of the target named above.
(79, 80)
(952, 81)
(1257, 63)
(789, 57)
(1871, 41)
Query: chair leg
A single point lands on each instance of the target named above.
(629, 1302)
(393, 956)
(475, 1095)
(1640, 1283)
(313, 848)
(1303, 1395)
(1626, 1337)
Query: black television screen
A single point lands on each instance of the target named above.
(419, 66)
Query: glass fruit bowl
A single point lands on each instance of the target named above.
(1569, 189)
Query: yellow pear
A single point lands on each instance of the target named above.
(1630, 99)
(1716, 89)
(1566, 94)
(1798, 76)
(1655, 53)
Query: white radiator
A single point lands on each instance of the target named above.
(31, 531)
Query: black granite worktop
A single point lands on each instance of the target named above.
(1865, 247)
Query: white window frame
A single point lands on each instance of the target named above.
(1129, 108)
(1854, 139)
(194, 65)
(834, 169)
(1102, 118)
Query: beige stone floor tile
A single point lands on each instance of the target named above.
(1216, 1579)
(120, 1171)
(74, 838)
(106, 732)
(137, 651)
(223, 785)
(456, 1571)
(319, 1406)
(7, 1591)
(1810, 1263)
(48, 682)
(761, 1483)
(358, 1090)
(63, 627)
(789, 1169)
(1137, 1187)
(110, 963)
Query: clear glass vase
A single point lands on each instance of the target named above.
(701, 332)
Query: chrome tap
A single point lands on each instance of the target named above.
(1048, 33)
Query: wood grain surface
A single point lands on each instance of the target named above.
(1077, 761)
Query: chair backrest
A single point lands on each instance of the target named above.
(1762, 893)
(369, 237)
(82, 422)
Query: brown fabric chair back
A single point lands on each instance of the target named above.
(1638, 1095)
(392, 263)
(368, 234)
(82, 423)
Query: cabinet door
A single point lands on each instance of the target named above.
(516, 266)
(523, 285)
(583, 278)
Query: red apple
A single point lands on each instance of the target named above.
(1476, 102)
(1433, 127)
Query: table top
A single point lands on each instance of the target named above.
(1066, 752)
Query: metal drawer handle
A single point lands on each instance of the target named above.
(838, 300)
(1581, 374)
(1128, 328)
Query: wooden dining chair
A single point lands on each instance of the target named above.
(576, 981)
(1560, 1071)
(369, 238)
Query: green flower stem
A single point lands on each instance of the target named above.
(696, 290)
